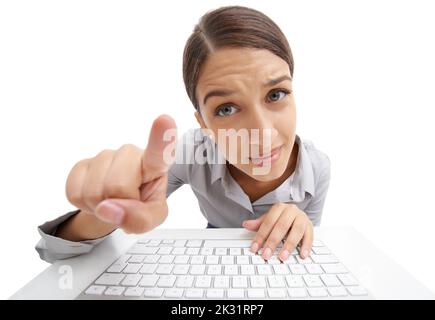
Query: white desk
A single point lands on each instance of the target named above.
(379, 274)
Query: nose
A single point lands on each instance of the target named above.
(261, 127)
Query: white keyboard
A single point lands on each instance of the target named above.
(222, 269)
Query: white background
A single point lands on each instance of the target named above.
(77, 77)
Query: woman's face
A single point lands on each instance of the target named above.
(236, 91)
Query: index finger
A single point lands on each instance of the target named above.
(160, 151)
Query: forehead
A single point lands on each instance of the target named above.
(230, 65)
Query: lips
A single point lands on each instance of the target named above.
(272, 156)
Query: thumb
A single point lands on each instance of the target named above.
(133, 216)
(160, 151)
(253, 225)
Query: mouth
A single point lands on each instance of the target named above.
(269, 158)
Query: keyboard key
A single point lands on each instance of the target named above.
(303, 261)
(215, 293)
(258, 281)
(337, 291)
(235, 293)
(334, 268)
(114, 291)
(203, 282)
(174, 293)
(247, 269)
(324, 258)
(164, 250)
(167, 259)
(317, 292)
(132, 268)
(148, 268)
(168, 241)
(194, 243)
(116, 267)
(179, 243)
(247, 252)
(281, 269)
(206, 251)
(214, 269)
(330, 280)
(153, 292)
(149, 280)
(164, 269)
(181, 269)
(178, 251)
(136, 258)
(312, 281)
(240, 281)
(197, 260)
(276, 293)
(231, 269)
(347, 279)
(166, 281)
(212, 260)
(181, 259)
(151, 259)
(194, 293)
(256, 293)
(227, 260)
(321, 250)
(264, 269)
(95, 290)
(357, 291)
(228, 243)
(295, 281)
(131, 280)
(185, 281)
(110, 279)
(290, 260)
(257, 260)
(192, 251)
(220, 251)
(134, 292)
(235, 251)
(274, 260)
(314, 269)
(242, 260)
(222, 282)
(297, 269)
(153, 243)
(297, 292)
(197, 269)
(142, 249)
(276, 281)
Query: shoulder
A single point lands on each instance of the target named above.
(320, 161)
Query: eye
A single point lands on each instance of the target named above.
(224, 111)
(278, 94)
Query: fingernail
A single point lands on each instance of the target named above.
(305, 254)
(244, 224)
(267, 253)
(284, 255)
(110, 212)
(254, 247)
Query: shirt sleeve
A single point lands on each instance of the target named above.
(51, 248)
(314, 209)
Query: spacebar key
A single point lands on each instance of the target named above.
(228, 243)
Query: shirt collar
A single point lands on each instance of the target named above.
(292, 189)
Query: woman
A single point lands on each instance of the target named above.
(238, 72)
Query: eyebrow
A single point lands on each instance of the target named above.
(224, 93)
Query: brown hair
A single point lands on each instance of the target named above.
(230, 26)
